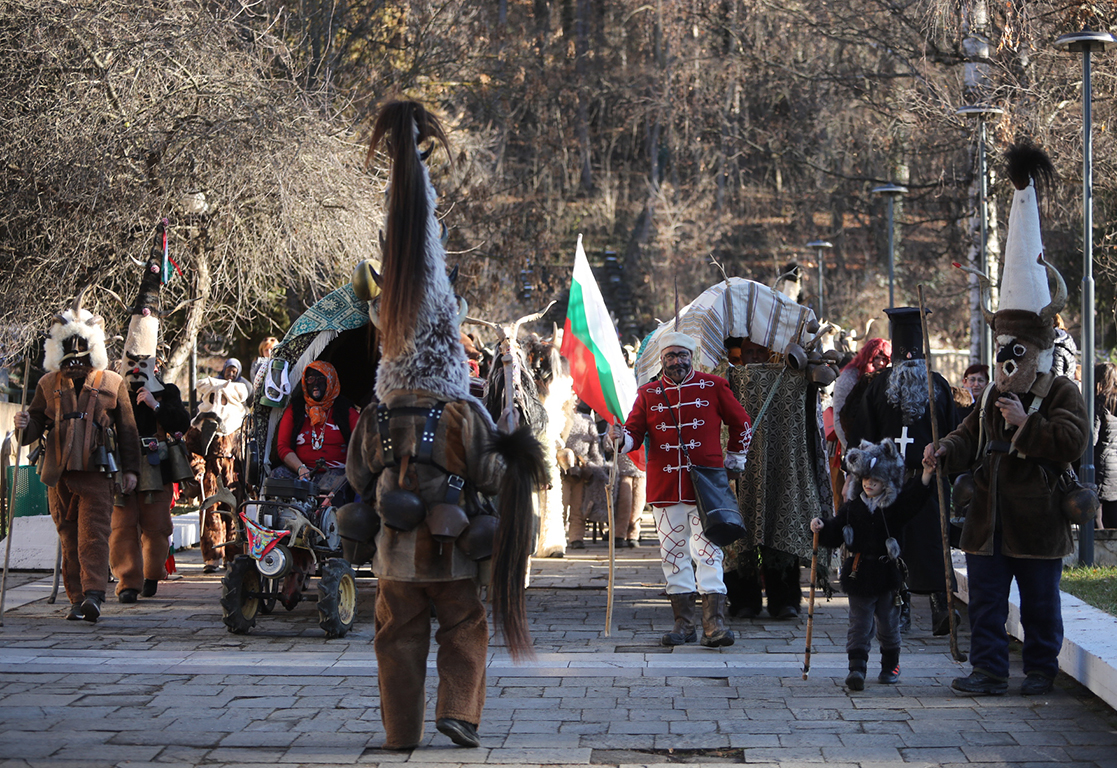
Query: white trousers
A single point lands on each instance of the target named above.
(685, 551)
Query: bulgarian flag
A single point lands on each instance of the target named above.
(602, 379)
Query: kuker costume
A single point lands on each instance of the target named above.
(423, 453)
(670, 414)
(141, 521)
(1014, 528)
(85, 413)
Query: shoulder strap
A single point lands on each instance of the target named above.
(425, 452)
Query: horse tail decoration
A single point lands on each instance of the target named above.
(404, 126)
(526, 472)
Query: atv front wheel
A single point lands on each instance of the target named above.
(337, 598)
(240, 591)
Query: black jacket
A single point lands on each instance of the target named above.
(868, 571)
(1105, 452)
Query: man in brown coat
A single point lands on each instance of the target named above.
(84, 412)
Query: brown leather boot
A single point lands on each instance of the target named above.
(714, 632)
(685, 617)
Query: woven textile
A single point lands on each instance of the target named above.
(785, 482)
(737, 307)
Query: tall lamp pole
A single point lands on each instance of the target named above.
(981, 112)
(820, 247)
(892, 191)
(1086, 42)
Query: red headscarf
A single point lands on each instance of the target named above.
(868, 351)
(319, 410)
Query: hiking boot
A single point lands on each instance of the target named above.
(855, 680)
(980, 683)
(1036, 684)
(889, 667)
(151, 586)
(683, 631)
(714, 632)
(460, 732)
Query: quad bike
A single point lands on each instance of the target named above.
(290, 535)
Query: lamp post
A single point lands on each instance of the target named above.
(820, 247)
(1086, 42)
(892, 191)
(981, 112)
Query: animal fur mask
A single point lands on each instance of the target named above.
(76, 341)
(878, 461)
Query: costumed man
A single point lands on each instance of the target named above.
(1028, 427)
(214, 442)
(682, 412)
(86, 415)
(781, 488)
(585, 476)
(424, 453)
(895, 405)
(141, 521)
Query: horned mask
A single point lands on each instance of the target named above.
(75, 344)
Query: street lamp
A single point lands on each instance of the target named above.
(1086, 42)
(981, 112)
(820, 246)
(892, 191)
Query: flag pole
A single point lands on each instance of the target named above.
(610, 506)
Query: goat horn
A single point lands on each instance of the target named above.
(1060, 299)
(983, 301)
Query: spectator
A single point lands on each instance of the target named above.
(974, 380)
(263, 358)
(1105, 442)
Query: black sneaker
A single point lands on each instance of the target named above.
(980, 683)
(855, 680)
(75, 612)
(210, 568)
(151, 586)
(889, 676)
(128, 595)
(91, 607)
(579, 544)
(1037, 684)
(460, 732)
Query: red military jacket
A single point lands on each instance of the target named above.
(700, 404)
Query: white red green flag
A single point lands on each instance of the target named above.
(602, 379)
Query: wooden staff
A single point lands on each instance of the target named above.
(612, 536)
(11, 490)
(810, 606)
(944, 520)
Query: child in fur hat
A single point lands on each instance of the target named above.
(871, 576)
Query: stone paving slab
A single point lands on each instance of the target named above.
(162, 683)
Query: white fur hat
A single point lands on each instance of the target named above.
(677, 339)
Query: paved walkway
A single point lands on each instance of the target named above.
(162, 682)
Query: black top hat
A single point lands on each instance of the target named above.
(906, 330)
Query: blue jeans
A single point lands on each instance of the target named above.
(867, 613)
(1040, 612)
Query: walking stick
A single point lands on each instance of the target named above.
(57, 570)
(612, 537)
(11, 491)
(944, 520)
(810, 606)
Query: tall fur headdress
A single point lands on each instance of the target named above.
(141, 344)
(418, 311)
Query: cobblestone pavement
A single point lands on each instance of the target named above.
(163, 682)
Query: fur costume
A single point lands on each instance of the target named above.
(74, 404)
(423, 366)
(141, 521)
(1014, 527)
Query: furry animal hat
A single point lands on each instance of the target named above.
(76, 340)
(141, 343)
(878, 461)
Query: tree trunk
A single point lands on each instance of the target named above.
(195, 317)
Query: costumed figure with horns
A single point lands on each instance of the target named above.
(682, 413)
(422, 455)
(141, 521)
(214, 442)
(91, 448)
(1020, 440)
(895, 405)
